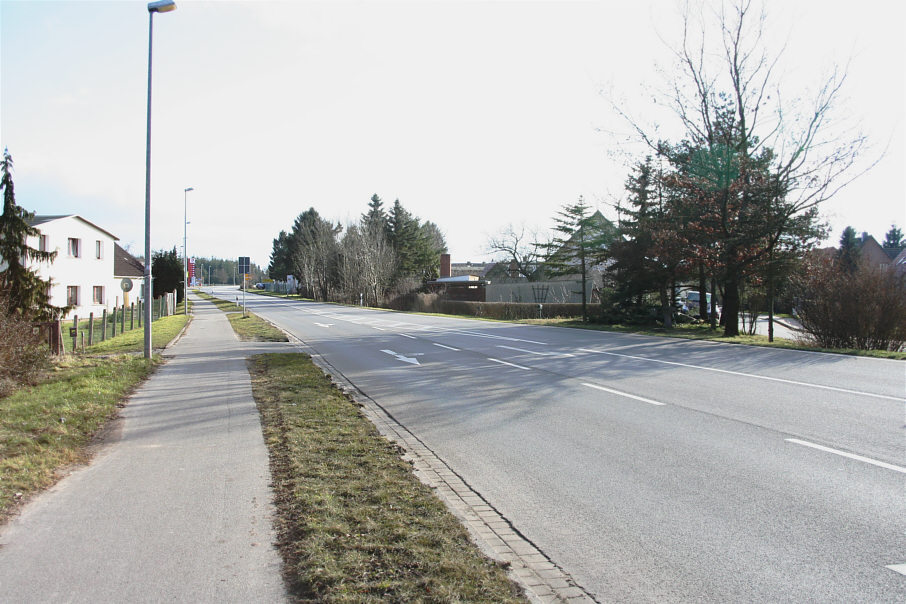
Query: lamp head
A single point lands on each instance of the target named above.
(187, 189)
(161, 6)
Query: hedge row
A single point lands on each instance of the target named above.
(492, 310)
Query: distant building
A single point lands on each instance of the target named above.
(83, 274)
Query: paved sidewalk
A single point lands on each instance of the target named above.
(177, 508)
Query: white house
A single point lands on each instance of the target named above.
(82, 275)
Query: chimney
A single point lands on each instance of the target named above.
(445, 265)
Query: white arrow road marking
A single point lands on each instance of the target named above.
(900, 568)
(626, 394)
(874, 462)
(510, 364)
(493, 337)
(402, 358)
(540, 354)
(323, 324)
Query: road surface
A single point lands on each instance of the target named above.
(650, 469)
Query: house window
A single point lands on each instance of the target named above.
(98, 249)
(43, 243)
(74, 247)
(98, 294)
(72, 294)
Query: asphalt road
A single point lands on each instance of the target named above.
(650, 469)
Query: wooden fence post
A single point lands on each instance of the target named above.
(104, 325)
(123, 319)
(113, 323)
(139, 313)
(90, 328)
(132, 316)
(75, 333)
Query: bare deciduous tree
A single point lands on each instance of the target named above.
(522, 251)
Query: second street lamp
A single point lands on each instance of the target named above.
(185, 253)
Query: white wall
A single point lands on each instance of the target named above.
(85, 271)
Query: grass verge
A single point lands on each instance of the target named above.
(354, 523)
(249, 328)
(48, 426)
(252, 328)
(162, 333)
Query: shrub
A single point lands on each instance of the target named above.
(863, 308)
(23, 356)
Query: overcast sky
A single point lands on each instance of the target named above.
(473, 114)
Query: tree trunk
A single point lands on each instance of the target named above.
(730, 316)
(666, 310)
(702, 292)
(771, 297)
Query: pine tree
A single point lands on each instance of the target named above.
(375, 218)
(580, 243)
(894, 238)
(26, 291)
(849, 253)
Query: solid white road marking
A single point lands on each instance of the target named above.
(510, 364)
(493, 337)
(900, 568)
(874, 462)
(408, 336)
(378, 328)
(739, 373)
(447, 347)
(401, 357)
(626, 394)
(540, 354)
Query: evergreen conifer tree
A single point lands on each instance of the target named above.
(26, 291)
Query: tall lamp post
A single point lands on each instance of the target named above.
(160, 6)
(185, 253)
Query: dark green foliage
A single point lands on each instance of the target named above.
(580, 243)
(376, 218)
(26, 292)
(849, 252)
(894, 238)
(315, 253)
(417, 246)
(167, 273)
(651, 252)
(281, 258)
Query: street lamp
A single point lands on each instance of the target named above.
(185, 254)
(160, 6)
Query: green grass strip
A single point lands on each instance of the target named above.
(162, 333)
(252, 328)
(354, 523)
(45, 427)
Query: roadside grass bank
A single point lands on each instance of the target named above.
(162, 333)
(703, 332)
(249, 328)
(354, 523)
(48, 427)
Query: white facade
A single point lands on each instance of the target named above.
(81, 275)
